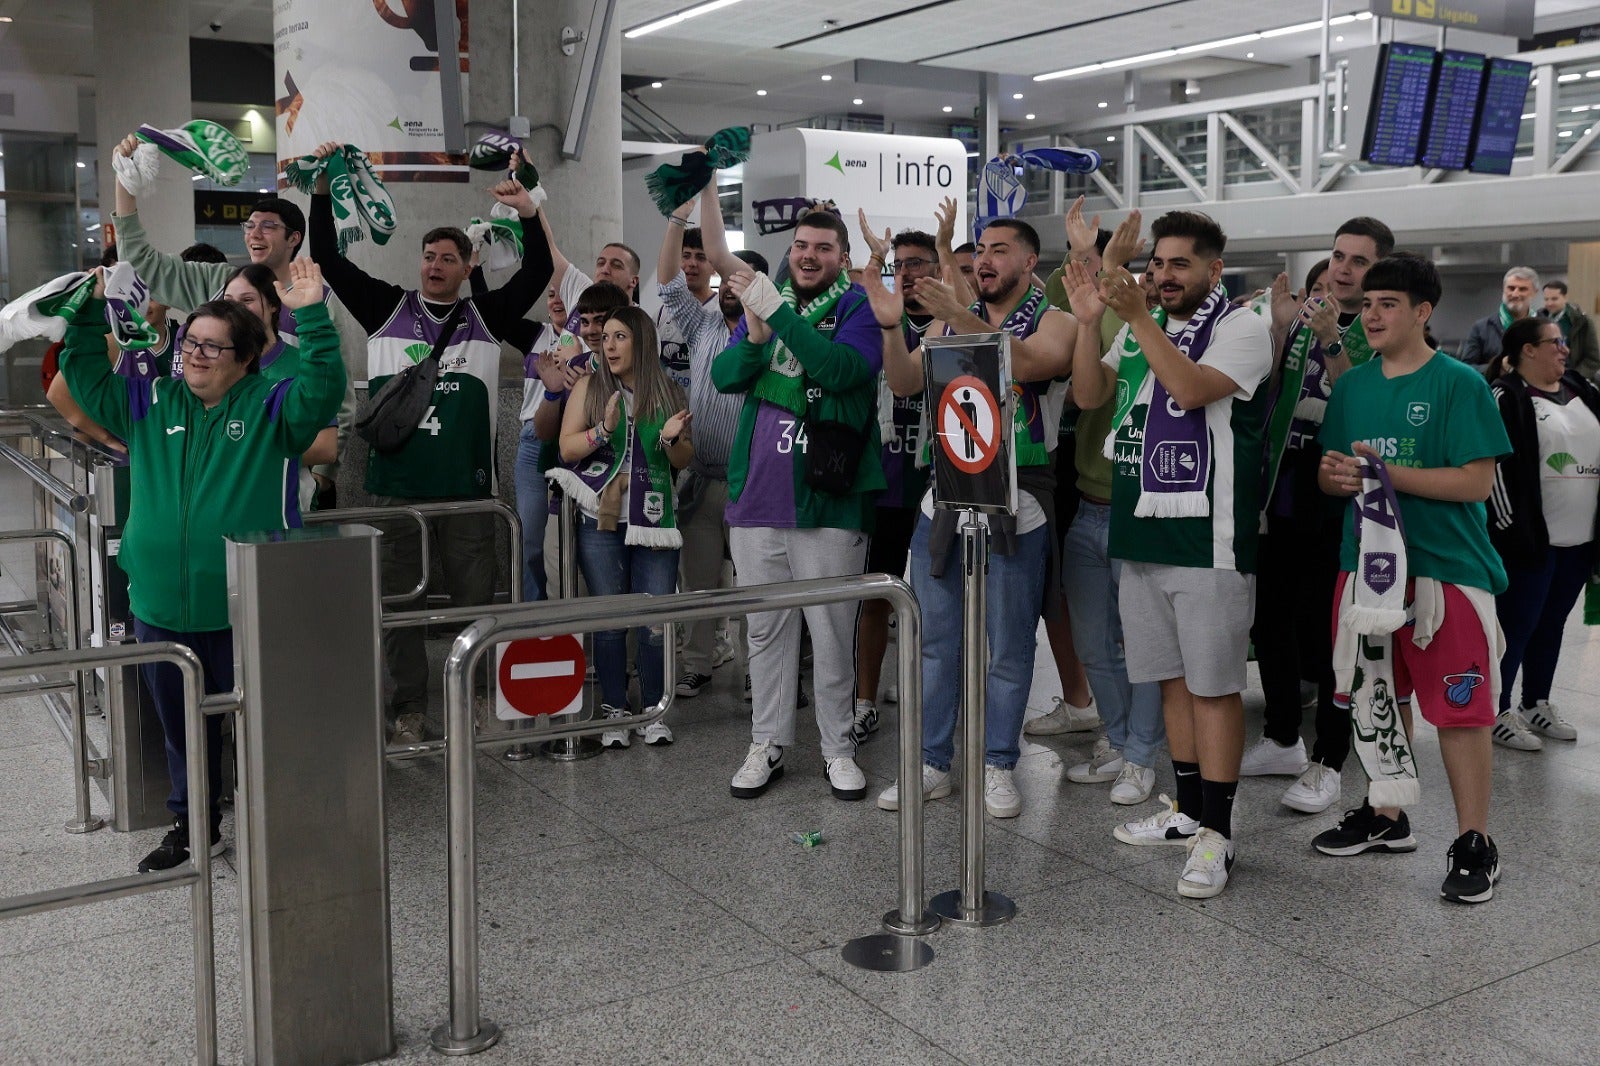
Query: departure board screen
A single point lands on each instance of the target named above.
(1505, 92)
(1454, 115)
(1399, 105)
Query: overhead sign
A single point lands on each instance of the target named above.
(969, 424)
(968, 384)
(1512, 18)
(540, 676)
(214, 207)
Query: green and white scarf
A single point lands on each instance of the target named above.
(784, 381)
(1505, 318)
(201, 146)
(1294, 399)
(359, 198)
(44, 311)
(499, 237)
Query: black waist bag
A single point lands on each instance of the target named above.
(833, 454)
(387, 420)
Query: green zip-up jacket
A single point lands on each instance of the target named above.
(841, 364)
(199, 474)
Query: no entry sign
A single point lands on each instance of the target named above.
(540, 676)
(967, 380)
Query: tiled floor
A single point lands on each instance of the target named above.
(633, 912)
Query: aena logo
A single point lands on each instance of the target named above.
(839, 164)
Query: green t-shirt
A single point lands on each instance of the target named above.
(1439, 415)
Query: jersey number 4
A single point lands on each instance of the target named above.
(430, 422)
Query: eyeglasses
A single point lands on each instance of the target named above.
(264, 227)
(210, 349)
(1557, 341)
(902, 265)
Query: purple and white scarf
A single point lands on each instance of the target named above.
(1175, 450)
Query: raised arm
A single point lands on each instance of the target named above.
(559, 264)
(1093, 382)
(172, 281)
(507, 304)
(670, 262)
(714, 233)
(102, 395)
(311, 398)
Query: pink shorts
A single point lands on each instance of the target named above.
(1449, 679)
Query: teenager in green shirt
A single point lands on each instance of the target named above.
(1432, 420)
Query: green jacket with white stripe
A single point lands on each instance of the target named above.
(199, 474)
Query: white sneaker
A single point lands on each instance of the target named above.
(1205, 872)
(613, 738)
(655, 733)
(1269, 759)
(1104, 765)
(936, 784)
(1133, 784)
(1064, 718)
(1544, 718)
(1166, 826)
(722, 651)
(1000, 797)
(1316, 790)
(866, 721)
(845, 778)
(763, 764)
(1511, 731)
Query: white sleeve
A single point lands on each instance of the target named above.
(1113, 356)
(573, 282)
(1241, 348)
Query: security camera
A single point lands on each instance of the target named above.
(216, 27)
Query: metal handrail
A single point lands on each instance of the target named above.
(486, 505)
(64, 494)
(466, 1032)
(86, 822)
(345, 515)
(196, 873)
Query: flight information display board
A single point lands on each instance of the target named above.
(1399, 109)
(1505, 92)
(1453, 118)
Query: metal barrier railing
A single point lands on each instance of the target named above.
(86, 822)
(466, 1032)
(346, 515)
(64, 494)
(196, 873)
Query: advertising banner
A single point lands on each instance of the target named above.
(365, 72)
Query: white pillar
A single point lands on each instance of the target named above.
(141, 59)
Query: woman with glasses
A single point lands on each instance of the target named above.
(253, 288)
(1541, 520)
(211, 454)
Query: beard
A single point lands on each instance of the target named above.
(1000, 286)
(1187, 302)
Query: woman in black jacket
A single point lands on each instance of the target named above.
(1542, 520)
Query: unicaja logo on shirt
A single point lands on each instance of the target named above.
(236, 429)
(1417, 413)
(418, 352)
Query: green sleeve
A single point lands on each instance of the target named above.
(102, 395)
(1055, 290)
(736, 367)
(315, 392)
(1476, 430)
(834, 366)
(180, 285)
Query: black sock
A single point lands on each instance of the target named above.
(1190, 801)
(1218, 804)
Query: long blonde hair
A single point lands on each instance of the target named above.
(656, 397)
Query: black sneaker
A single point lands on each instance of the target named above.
(1364, 829)
(174, 848)
(691, 684)
(1474, 868)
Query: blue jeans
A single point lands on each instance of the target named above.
(611, 567)
(1090, 578)
(165, 685)
(533, 507)
(1533, 612)
(1015, 591)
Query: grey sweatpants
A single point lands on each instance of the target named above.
(763, 556)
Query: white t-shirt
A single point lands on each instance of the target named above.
(1569, 469)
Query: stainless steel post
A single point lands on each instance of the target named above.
(971, 905)
(572, 749)
(85, 820)
(314, 884)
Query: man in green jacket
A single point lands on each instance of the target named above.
(212, 454)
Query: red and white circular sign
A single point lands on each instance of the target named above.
(542, 675)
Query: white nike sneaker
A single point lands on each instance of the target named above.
(1270, 759)
(1205, 872)
(1000, 797)
(936, 784)
(1316, 790)
(1166, 826)
(763, 764)
(1133, 784)
(845, 778)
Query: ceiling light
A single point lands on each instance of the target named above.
(1103, 103)
(858, 101)
(1206, 46)
(947, 109)
(5, 18)
(1029, 116)
(1565, 133)
(682, 16)
(91, 229)
(1339, 40)
(1591, 74)
(827, 77)
(1570, 77)
(761, 92)
(655, 85)
(1111, 138)
(82, 164)
(1016, 96)
(1580, 109)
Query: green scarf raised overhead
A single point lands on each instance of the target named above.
(784, 381)
(359, 198)
(1295, 385)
